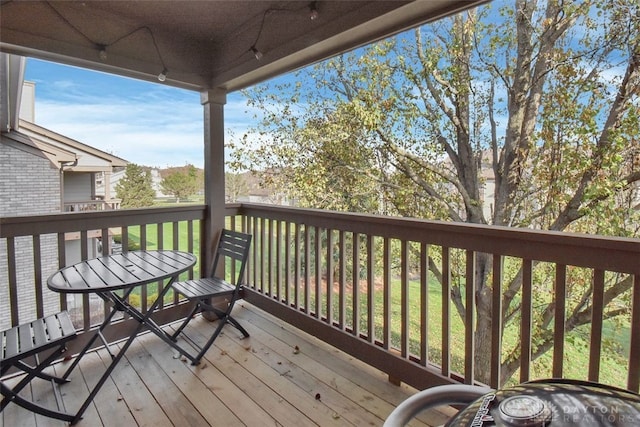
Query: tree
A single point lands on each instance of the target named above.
(536, 94)
(235, 186)
(135, 188)
(181, 182)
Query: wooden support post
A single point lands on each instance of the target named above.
(213, 102)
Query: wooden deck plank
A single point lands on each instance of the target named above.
(272, 392)
(75, 392)
(380, 396)
(112, 409)
(231, 394)
(200, 395)
(318, 389)
(360, 395)
(42, 395)
(140, 401)
(257, 381)
(243, 353)
(317, 382)
(368, 390)
(14, 415)
(172, 402)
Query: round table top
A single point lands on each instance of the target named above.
(120, 271)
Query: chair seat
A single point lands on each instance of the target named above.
(204, 288)
(31, 338)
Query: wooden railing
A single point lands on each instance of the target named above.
(305, 262)
(92, 205)
(33, 247)
(399, 316)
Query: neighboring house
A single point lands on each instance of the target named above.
(79, 189)
(156, 179)
(487, 190)
(256, 192)
(116, 176)
(106, 183)
(43, 172)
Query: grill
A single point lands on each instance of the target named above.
(552, 403)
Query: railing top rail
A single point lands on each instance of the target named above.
(591, 251)
(601, 252)
(75, 221)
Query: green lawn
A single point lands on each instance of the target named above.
(613, 364)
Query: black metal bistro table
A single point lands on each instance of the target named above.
(124, 272)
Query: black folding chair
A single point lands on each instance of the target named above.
(26, 341)
(233, 250)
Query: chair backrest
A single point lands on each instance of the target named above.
(233, 249)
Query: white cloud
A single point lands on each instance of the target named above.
(144, 123)
(162, 133)
(152, 131)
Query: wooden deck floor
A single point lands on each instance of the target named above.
(279, 376)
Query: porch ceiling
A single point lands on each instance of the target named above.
(205, 44)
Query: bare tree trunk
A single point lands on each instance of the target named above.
(483, 318)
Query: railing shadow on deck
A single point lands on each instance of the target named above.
(395, 319)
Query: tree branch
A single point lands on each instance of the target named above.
(572, 210)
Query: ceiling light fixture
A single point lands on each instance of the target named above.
(102, 47)
(163, 75)
(313, 15)
(256, 53)
(313, 11)
(102, 52)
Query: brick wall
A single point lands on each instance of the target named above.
(29, 185)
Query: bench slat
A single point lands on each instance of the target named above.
(25, 338)
(39, 333)
(33, 337)
(11, 343)
(53, 328)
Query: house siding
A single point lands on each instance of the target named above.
(78, 186)
(29, 185)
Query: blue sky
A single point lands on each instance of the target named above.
(144, 123)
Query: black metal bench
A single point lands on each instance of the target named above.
(29, 340)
